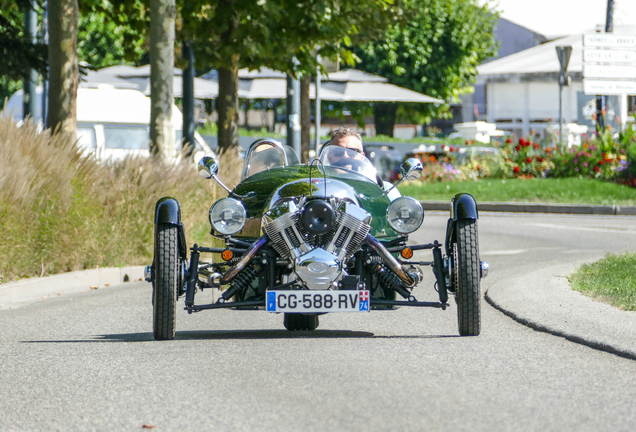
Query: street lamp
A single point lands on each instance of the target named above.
(564, 53)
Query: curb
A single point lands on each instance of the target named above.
(16, 294)
(615, 210)
(544, 301)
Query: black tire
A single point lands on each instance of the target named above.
(467, 277)
(296, 322)
(166, 279)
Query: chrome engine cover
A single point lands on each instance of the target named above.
(318, 259)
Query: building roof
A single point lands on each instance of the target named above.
(540, 60)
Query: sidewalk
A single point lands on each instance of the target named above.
(544, 301)
(26, 291)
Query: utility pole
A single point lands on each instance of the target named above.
(564, 53)
(293, 113)
(31, 78)
(318, 108)
(188, 99)
(600, 99)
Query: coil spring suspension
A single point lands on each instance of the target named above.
(242, 280)
(388, 278)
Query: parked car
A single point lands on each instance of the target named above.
(306, 240)
(113, 123)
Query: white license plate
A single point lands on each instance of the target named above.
(310, 301)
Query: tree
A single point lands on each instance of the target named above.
(104, 40)
(162, 39)
(229, 34)
(18, 55)
(436, 52)
(63, 65)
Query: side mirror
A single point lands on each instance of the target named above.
(208, 167)
(411, 169)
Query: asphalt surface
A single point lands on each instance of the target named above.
(543, 301)
(87, 361)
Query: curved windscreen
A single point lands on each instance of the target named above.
(347, 159)
(267, 154)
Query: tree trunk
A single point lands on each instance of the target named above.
(63, 66)
(385, 114)
(227, 107)
(305, 118)
(162, 19)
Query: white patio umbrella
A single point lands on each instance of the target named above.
(140, 76)
(347, 85)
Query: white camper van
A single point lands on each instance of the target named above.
(113, 122)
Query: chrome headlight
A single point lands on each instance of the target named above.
(405, 215)
(228, 216)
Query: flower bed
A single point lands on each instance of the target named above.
(603, 157)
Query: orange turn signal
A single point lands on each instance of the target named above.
(227, 255)
(407, 253)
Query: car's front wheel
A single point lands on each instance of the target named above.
(294, 322)
(466, 275)
(166, 278)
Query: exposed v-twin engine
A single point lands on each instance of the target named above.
(319, 236)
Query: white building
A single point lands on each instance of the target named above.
(522, 91)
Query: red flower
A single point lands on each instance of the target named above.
(595, 169)
(452, 149)
(529, 159)
(508, 141)
(522, 141)
(516, 169)
(601, 162)
(539, 159)
(537, 146)
(518, 148)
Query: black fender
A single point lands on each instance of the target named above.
(463, 206)
(168, 212)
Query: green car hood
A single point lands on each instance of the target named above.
(261, 191)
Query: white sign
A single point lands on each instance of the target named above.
(609, 40)
(608, 87)
(609, 71)
(592, 55)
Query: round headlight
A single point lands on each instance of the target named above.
(405, 215)
(228, 216)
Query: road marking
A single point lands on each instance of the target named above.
(504, 252)
(580, 228)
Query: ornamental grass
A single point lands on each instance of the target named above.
(62, 211)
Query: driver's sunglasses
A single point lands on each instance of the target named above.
(340, 151)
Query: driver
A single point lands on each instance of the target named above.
(348, 139)
(351, 142)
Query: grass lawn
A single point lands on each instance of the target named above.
(611, 280)
(554, 191)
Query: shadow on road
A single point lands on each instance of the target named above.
(244, 334)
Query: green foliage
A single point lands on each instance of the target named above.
(611, 280)
(103, 41)
(17, 54)
(436, 52)
(281, 34)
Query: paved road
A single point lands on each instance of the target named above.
(89, 362)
